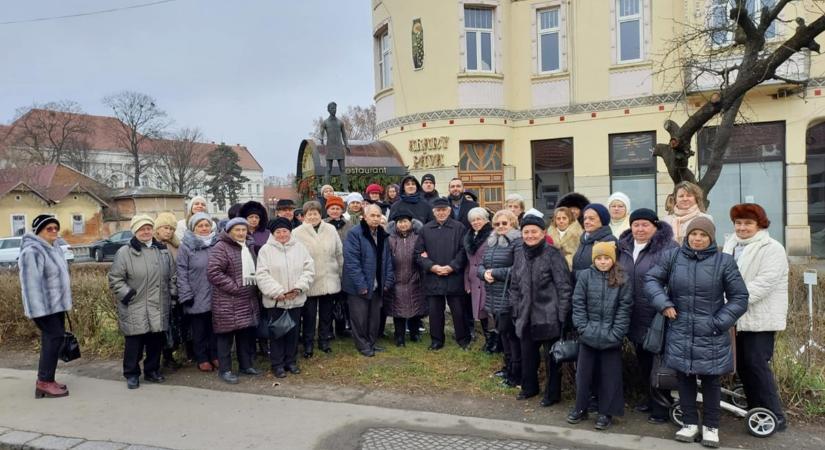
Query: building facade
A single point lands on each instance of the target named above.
(543, 97)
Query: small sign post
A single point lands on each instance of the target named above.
(809, 277)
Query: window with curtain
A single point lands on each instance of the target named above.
(549, 42)
(629, 29)
(478, 30)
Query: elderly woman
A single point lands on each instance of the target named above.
(540, 292)
(165, 227)
(408, 304)
(143, 279)
(688, 204)
(194, 290)
(285, 275)
(515, 204)
(327, 251)
(327, 191)
(335, 212)
(475, 244)
(47, 297)
(566, 233)
(764, 267)
(373, 197)
(596, 220)
(355, 208)
(494, 270)
(235, 309)
(702, 293)
(618, 204)
(196, 205)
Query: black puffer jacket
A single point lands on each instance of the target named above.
(696, 285)
(414, 205)
(601, 313)
(583, 257)
(540, 291)
(499, 259)
(443, 244)
(643, 310)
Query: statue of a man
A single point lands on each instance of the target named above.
(336, 145)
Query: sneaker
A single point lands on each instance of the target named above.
(688, 433)
(576, 416)
(228, 377)
(603, 422)
(656, 420)
(710, 437)
(249, 371)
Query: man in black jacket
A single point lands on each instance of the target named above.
(428, 191)
(440, 254)
(458, 202)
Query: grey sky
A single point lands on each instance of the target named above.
(253, 72)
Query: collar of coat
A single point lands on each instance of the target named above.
(699, 254)
(449, 223)
(473, 240)
(380, 233)
(661, 240)
(596, 235)
(392, 229)
(496, 239)
(139, 246)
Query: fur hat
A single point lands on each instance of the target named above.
(253, 207)
(197, 218)
(704, 224)
(335, 201)
(531, 219)
(601, 210)
(750, 211)
(604, 249)
(573, 199)
(277, 223)
(42, 220)
(374, 188)
(235, 221)
(167, 219)
(140, 220)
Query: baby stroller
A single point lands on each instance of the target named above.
(760, 422)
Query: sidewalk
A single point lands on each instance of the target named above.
(180, 417)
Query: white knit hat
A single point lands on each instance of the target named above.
(620, 196)
(354, 197)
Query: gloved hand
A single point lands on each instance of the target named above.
(128, 297)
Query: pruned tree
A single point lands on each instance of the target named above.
(736, 49)
(225, 178)
(359, 124)
(180, 160)
(140, 122)
(51, 133)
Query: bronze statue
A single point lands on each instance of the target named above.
(336, 143)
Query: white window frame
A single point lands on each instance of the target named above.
(384, 58)
(639, 18)
(82, 224)
(491, 31)
(755, 13)
(11, 221)
(540, 32)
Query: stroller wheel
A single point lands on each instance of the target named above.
(737, 396)
(761, 422)
(675, 414)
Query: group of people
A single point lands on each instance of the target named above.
(601, 272)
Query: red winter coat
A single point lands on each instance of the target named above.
(234, 306)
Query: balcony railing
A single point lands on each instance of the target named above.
(708, 78)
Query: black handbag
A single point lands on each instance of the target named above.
(662, 377)
(565, 350)
(282, 325)
(69, 348)
(655, 336)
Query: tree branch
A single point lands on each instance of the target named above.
(739, 14)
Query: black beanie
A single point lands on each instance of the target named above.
(644, 214)
(280, 222)
(42, 220)
(530, 219)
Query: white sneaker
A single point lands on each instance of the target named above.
(710, 437)
(688, 433)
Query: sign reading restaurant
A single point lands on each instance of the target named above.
(428, 153)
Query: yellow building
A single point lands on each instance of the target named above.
(543, 97)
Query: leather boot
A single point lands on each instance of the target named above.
(48, 389)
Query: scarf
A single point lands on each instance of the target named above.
(746, 250)
(413, 199)
(208, 238)
(618, 226)
(337, 223)
(683, 217)
(247, 265)
(476, 238)
(534, 251)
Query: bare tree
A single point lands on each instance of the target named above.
(52, 133)
(275, 180)
(181, 160)
(359, 124)
(722, 60)
(140, 122)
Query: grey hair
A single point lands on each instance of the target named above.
(478, 212)
(515, 198)
(372, 206)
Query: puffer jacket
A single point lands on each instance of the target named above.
(540, 291)
(328, 255)
(144, 278)
(696, 284)
(363, 259)
(407, 298)
(44, 277)
(234, 306)
(498, 258)
(569, 243)
(643, 310)
(583, 257)
(282, 268)
(194, 289)
(601, 313)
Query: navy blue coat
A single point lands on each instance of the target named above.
(696, 284)
(601, 313)
(583, 257)
(363, 257)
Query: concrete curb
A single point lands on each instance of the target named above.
(26, 440)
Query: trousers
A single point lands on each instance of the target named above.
(437, 318)
(152, 344)
(364, 315)
(52, 329)
(600, 372)
(204, 343)
(242, 339)
(711, 396)
(754, 351)
(283, 350)
(532, 354)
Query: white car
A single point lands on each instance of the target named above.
(10, 251)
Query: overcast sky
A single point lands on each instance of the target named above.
(244, 71)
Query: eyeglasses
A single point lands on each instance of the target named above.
(52, 229)
(501, 224)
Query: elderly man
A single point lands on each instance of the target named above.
(440, 254)
(368, 275)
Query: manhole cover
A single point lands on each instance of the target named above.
(396, 439)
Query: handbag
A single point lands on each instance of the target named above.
(662, 377)
(565, 350)
(282, 325)
(655, 336)
(69, 348)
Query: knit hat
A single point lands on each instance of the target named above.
(42, 220)
(604, 249)
(354, 197)
(644, 214)
(166, 219)
(324, 187)
(280, 222)
(192, 202)
(440, 202)
(140, 220)
(235, 221)
(374, 188)
(750, 211)
(197, 218)
(534, 212)
(427, 177)
(704, 224)
(530, 219)
(285, 203)
(620, 196)
(601, 210)
(335, 201)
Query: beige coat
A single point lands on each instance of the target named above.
(282, 268)
(568, 244)
(327, 253)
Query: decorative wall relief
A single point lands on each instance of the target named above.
(417, 44)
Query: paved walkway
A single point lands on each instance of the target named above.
(104, 414)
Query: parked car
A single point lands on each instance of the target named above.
(67, 250)
(9, 251)
(105, 249)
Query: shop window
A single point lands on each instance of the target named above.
(549, 41)
(478, 32)
(633, 167)
(753, 172)
(552, 172)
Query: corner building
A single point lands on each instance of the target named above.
(545, 97)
